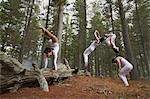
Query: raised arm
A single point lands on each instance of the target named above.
(97, 36)
(50, 35)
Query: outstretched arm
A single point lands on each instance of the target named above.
(50, 35)
(97, 36)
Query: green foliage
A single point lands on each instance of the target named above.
(141, 34)
(67, 43)
(13, 15)
(11, 21)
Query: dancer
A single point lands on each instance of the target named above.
(91, 48)
(53, 50)
(110, 41)
(124, 67)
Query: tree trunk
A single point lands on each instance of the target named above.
(58, 23)
(44, 39)
(96, 62)
(60, 28)
(26, 34)
(111, 15)
(3, 44)
(97, 68)
(144, 45)
(82, 32)
(128, 50)
(65, 48)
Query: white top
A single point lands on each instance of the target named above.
(124, 62)
(55, 50)
(53, 46)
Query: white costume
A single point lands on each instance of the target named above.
(55, 49)
(126, 67)
(110, 41)
(88, 51)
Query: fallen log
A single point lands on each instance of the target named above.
(16, 76)
(13, 75)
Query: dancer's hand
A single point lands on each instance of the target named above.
(43, 29)
(96, 31)
(97, 41)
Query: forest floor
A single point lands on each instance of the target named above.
(86, 87)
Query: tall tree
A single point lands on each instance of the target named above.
(126, 40)
(26, 30)
(82, 31)
(111, 14)
(44, 39)
(75, 28)
(58, 22)
(11, 22)
(141, 23)
(60, 26)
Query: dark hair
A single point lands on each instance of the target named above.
(47, 50)
(102, 39)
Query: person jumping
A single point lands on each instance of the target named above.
(110, 41)
(91, 48)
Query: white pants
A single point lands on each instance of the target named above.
(55, 51)
(110, 41)
(86, 54)
(125, 71)
(45, 60)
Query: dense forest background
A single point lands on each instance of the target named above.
(74, 24)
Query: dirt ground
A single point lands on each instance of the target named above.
(86, 87)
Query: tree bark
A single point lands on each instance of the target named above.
(145, 45)
(44, 39)
(111, 15)
(128, 50)
(26, 29)
(60, 28)
(82, 32)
